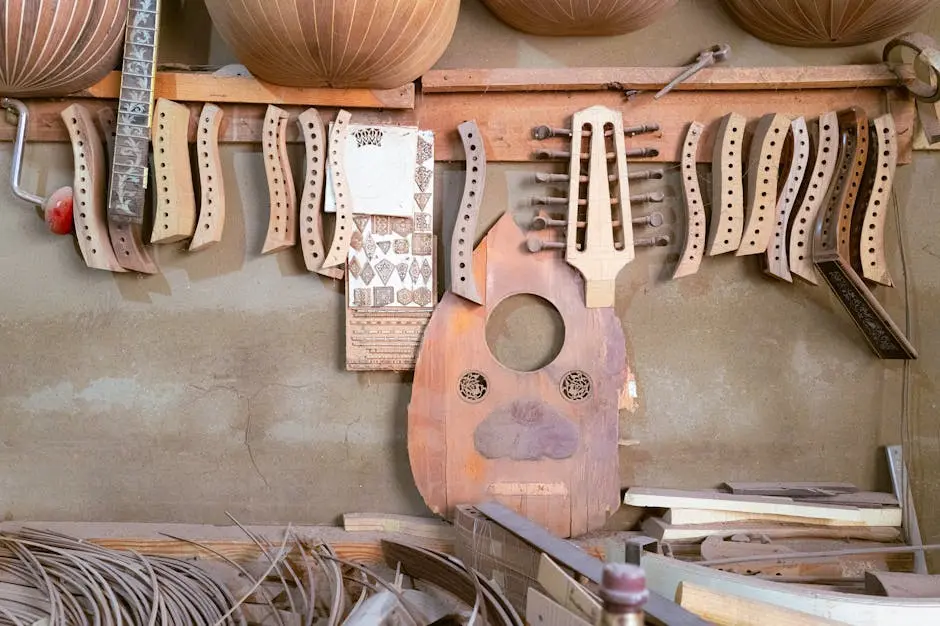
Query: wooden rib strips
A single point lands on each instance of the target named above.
(56, 47)
(282, 216)
(175, 209)
(872, 244)
(336, 43)
(579, 17)
(824, 167)
(727, 219)
(211, 183)
(776, 255)
(462, 276)
(91, 223)
(339, 249)
(311, 200)
(691, 256)
(763, 171)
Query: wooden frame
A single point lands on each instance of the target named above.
(871, 238)
(282, 216)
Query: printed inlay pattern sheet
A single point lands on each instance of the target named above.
(871, 236)
(824, 167)
(174, 216)
(211, 184)
(691, 255)
(91, 222)
(776, 255)
(282, 216)
(311, 200)
(462, 279)
(763, 169)
(543, 443)
(126, 236)
(727, 218)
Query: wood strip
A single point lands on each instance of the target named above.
(175, 212)
(775, 259)
(871, 242)
(763, 171)
(211, 183)
(339, 249)
(657, 528)
(427, 527)
(205, 87)
(505, 120)
(311, 200)
(824, 167)
(462, 275)
(566, 591)
(282, 216)
(789, 489)
(691, 256)
(727, 218)
(708, 516)
(90, 213)
(655, 78)
(729, 610)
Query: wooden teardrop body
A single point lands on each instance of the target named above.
(818, 23)
(579, 17)
(543, 443)
(57, 47)
(378, 44)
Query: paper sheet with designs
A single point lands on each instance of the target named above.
(391, 258)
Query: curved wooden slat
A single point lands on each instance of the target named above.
(871, 245)
(691, 256)
(852, 191)
(311, 201)
(344, 209)
(463, 278)
(763, 173)
(727, 218)
(776, 256)
(824, 167)
(175, 210)
(282, 201)
(126, 237)
(91, 223)
(211, 183)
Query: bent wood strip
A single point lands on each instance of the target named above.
(174, 216)
(463, 281)
(691, 256)
(655, 78)
(658, 529)
(727, 219)
(281, 219)
(311, 200)
(339, 249)
(824, 167)
(776, 256)
(763, 170)
(126, 237)
(872, 248)
(207, 87)
(90, 216)
(728, 610)
(211, 183)
(851, 191)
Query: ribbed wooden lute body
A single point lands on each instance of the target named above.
(336, 43)
(56, 47)
(579, 17)
(825, 22)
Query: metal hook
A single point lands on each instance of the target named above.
(19, 109)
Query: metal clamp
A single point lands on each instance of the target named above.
(19, 109)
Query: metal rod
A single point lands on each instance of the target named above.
(22, 113)
(543, 132)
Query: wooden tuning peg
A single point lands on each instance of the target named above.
(534, 244)
(651, 242)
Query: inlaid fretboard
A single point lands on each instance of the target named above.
(132, 142)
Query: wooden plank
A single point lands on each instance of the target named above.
(654, 78)
(707, 516)
(506, 119)
(901, 585)
(204, 87)
(566, 591)
(427, 527)
(542, 611)
(657, 528)
(768, 505)
(664, 575)
(729, 610)
(790, 489)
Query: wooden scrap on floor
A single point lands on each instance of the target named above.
(789, 489)
(902, 585)
(682, 517)
(658, 529)
(426, 527)
(544, 612)
(729, 610)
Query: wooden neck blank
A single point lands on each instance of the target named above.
(211, 183)
(691, 256)
(174, 216)
(824, 167)
(871, 239)
(763, 173)
(311, 200)
(282, 218)
(91, 222)
(463, 281)
(599, 250)
(126, 236)
(339, 249)
(727, 220)
(776, 256)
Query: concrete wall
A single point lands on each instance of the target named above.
(219, 385)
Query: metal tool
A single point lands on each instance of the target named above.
(706, 58)
(545, 132)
